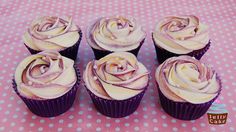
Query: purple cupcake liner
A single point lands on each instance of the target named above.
(51, 107)
(101, 53)
(163, 54)
(70, 52)
(185, 110)
(116, 108)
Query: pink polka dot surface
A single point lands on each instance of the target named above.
(15, 17)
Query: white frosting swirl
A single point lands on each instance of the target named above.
(181, 34)
(51, 33)
(115, 33)
(117, 76)
(45, 75)
(184, 79)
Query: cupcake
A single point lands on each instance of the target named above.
(187, 87)
(47, 83)
(116, 83)
(180, 35)
(53, 33)
(116, 33)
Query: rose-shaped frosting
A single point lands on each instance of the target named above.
(51, 33)
(45, 75)
(181, 34)
(185, 79)
(117, 76)
(115, 33)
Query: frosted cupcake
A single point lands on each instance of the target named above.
(115, 33)
(116, 83)
(47, 83)
(187, 87)
(53, 33)
(180, 35)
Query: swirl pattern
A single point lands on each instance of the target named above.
(116, 76)
(45, 75)
(115, 33)
(181, 34)
(51, 33)
(185, 79)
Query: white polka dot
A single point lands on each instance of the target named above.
(7, 112)
(202, 124)
(127, 117)
(98, 129)
(136, 120)
(79, 120)
(117, 121)
(175, 129)
(154, 120)
(88, 124)
(145, 124)
(2, 128)
(51, 125)
(15, 116)
(183, 125)
(31, 124)
(127, 124)
(164, 125)
(163, 117)
(23, 120)
(89, 116)
(173, 120)
(70, 125)
(13, 124)
(61, 121)
(136, 128)
(79, 129)
(213, 129)
(231, 129)
(80, 112)
(59, 129)
(52, 118)
(71, 117)
(34, 117)
(81, 105)
(108, 124)
(117, 129)
(40, 129)
(42, 121)
(72, 109)
(194, 128)
(155, 129)
(21, 128)
(154, 112)
(144, 108)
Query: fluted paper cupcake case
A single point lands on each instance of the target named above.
(116, 108)
(70, 52)
(185, 110)
(101, 53)
(163, 54)
(51, 107)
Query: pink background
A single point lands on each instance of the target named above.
(15, 17)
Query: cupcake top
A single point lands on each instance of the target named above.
(181, 34)
(51, 33)
(117, 76)
(45, 75)
(115, 33)
(185, 79)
